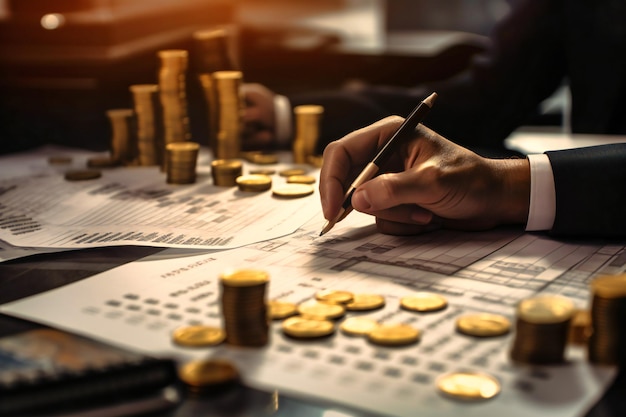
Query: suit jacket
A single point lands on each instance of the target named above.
(590, 188)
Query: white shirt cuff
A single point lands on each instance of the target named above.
(542, 194)
(283, 130)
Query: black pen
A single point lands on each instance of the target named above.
(405, 130)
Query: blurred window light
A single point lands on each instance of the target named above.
(52, 21)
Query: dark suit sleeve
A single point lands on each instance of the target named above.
(590, 191)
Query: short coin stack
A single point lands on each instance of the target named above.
(149, 123)
(123, 140)
(542, 330)
(181, 162)
(607, 344)
(225, 172)
(308, 118)
(244, 308)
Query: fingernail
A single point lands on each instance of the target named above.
(360, 200)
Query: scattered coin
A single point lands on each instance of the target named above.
(264, 159)
(208, 373)
(324, 311)
(102, 162)
(60, 160)
(305, 328)
(483, 325)
(254, 182)
(365, 302)
(291, 172)
(301, 179)
(358, 326)
(423, 302)
(279, 310)
(263, 171)
(293, 190)
(82, 175)
(334, 296)
(198, 336)
(468, 385)
(394, 334)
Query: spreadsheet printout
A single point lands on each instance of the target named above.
(140, 304)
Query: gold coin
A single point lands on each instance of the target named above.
(60, 160)
(394, 334)
(198, 336)
(358, 326)
(546, 309)
(264, 159)
(301, 179)
(365, 302)
(262, 171)
(334, 296)
(580, 327)
(323, 311)
(182, 146)
(609, 286)
(254, 182)
(423, 302)
(102, 162)
(304, 328)
(315, 160)
(292, 172)
(208, 373)
(483, 325)
(293, 190)
(278, 310)
(82, 175)
(226, 166)
(468, 385)
(244, 278)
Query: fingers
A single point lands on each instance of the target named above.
(404, 229)
(343, 159)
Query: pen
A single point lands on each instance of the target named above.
(372, 168)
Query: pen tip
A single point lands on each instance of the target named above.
(430, 100)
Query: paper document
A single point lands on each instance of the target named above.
(138, 305)
(135, 206)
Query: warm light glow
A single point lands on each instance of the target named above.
(52, 21)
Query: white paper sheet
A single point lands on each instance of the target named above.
(135, 206)
(139, 304)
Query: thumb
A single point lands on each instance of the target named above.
(385, 191)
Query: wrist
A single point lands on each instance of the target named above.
(514, 193)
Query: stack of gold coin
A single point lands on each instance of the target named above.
(308, 118)
(181, 162)
(542, 330)
(254, 183)
(149, 123)
(607, 344)
(580, 328)
(210, 98)
(123, 139)
(244, 308)
(205, 376)
(212, 50)
(226, 171)
(230, 106)
(173, 96)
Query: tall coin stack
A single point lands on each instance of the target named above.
(607, 344)
(542, 330)
(181, 162)
(308, 119)
(244, 307)
(172, 85)
(212, 52)
(149, 123)
(123, 139)
(229, 114)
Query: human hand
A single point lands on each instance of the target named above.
(429, 183)
(259, 118)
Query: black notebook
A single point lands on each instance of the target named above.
(49, 370)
